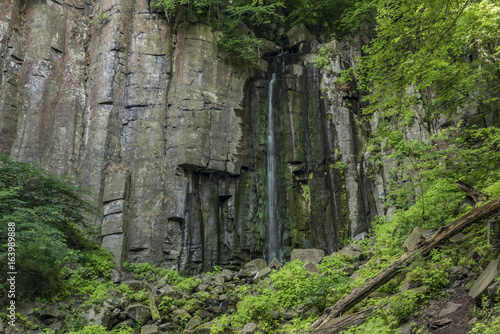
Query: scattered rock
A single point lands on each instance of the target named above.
(410, 282)
(181, 316)
(50, 311)
(472, 255)
(138, 312)
(205, 328)
(266, 46)
(351, 251)
(115, 276)
(471, 323)
(458, 237)
(348, 270)
(449, 308)
(204, 314)
(137, 286)
(308, 255)
(361, 236)
(492, 290)
(299, 33)
(311, 267)
(251, 328)
(288, 315)
(406, 327)
(441, 323)
(275, 264)
(149, 329)
(219, 279)
(256, 265)
(416, 237)
(479, 287)
(263, 273)
(193, 323)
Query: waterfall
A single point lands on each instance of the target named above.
(273, 235)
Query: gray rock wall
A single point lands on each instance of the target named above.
(170, 137)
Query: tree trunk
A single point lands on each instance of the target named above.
(358, 294)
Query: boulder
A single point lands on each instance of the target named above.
(103, 315)
(203, 314)
(311, 267)
(137, 285)
(275, 264)
(457, 238)
(227, 274)
(256, 265)
(266, 46)
(361, 236)
(155, 314)
(410, 282)
(193, 323)
(308, 255)
(351, 251)
(416, 237)
(263, 273)
(357, 247)
(181, 316)
(449, 308)
(205, 328)
(138, 312)
(218, 290)
(488, 275)
(406, 328)
(288, 315)
(149, 329)
(251, 328)
(492, 291)
(219, 279)
(50, 311)
(299, 33)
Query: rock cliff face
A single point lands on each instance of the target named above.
(170, 137)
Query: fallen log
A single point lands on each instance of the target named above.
(358, 294)
(344, 322)
(475, 194)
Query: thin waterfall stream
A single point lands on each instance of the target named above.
(273, 235)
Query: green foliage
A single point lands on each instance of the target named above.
(96, 329)
(48, 213)
(257, 309)
(440, 53)
(382, 323)
(299, 325)
(320, 16)
(405, 305)
(99, 18)
(288, 288)
(149, 272)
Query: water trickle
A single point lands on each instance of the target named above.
(273, 236)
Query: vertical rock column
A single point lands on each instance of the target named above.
(11, 59)
(105, 93)
(143, 131)
(115, 200)
(44, 98)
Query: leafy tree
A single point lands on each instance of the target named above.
(47, 212)
(441, 53)
(262, 16)
(320, 16)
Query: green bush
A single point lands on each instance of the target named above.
(48, 214)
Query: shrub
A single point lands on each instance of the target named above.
(48, 214)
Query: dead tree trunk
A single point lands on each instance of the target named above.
(358, 294)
